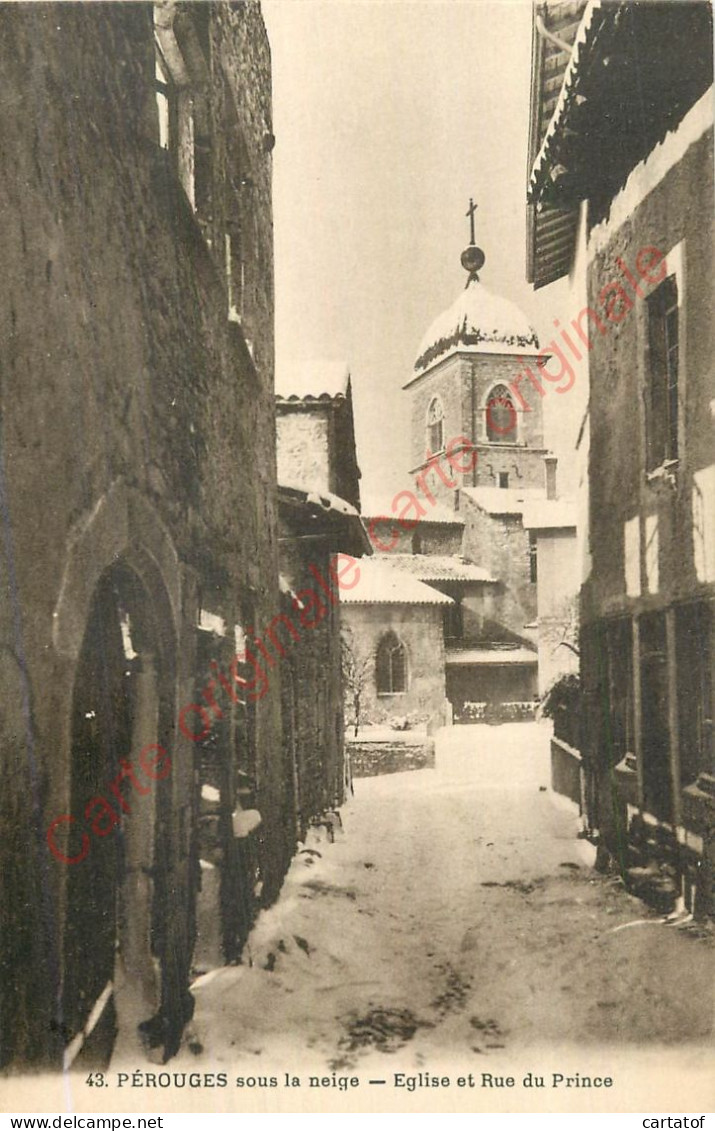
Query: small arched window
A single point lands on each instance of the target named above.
(391, 665)
(501, 416)
(435, 426)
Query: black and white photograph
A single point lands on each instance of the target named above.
(357, 550)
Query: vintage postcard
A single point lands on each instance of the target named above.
(357, 509)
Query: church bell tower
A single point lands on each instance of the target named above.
(475, 376)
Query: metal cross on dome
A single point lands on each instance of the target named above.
(472, 257)
(470, 214)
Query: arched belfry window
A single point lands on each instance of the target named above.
(501, 416)
(391, 665)
(435, 426)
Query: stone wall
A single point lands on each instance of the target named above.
(450, 380)
(464, 384)
(371, 758)
(242, 54)
(316, 447)
(343, 453)
(312, 683)
(303, 448)
(419, 627)
(650, 534)
(440, 539)
(137, 427)
(500, 544)
(490, 370)
(414, 533)
(567, 771)
(677, 210)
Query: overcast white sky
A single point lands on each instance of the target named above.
(389, 115)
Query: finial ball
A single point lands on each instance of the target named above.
(472, 259)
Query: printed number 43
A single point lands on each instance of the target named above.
(96, 1080)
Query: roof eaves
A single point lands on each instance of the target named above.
(591, 23)
(309, 398)
(394, 600)
(331, 508)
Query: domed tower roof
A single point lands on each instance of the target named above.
(478, 321)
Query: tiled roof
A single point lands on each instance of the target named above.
(381, 584)
(439, 567)
(503, 500)
(382, 508)
(317, 380)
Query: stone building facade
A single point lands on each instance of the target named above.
(495, 537)
(466, 385)
(552, 527)
(440, 529)
(477, 462)
(477, 451)
(316, 429)
(321, 536)
(645, 247)
(320, 542)
(138, 502)
(394, 640)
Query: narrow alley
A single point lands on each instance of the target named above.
(357, 502)
(456, 915)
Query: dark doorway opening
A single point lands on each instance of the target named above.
(117, 905)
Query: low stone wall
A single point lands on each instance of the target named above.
(566, 770)
(484, 712)
(372, 756)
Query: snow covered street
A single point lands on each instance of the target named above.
(457, 915)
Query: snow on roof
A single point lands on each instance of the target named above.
(504, 500)
(319, 379)
(380, 584)
(321, 500)
(469, 656)
(385, 508)
(549, 514)
(333, 507)
(590, 21)
(439, 567)
(478, 321)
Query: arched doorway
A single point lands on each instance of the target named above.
(115, 961)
